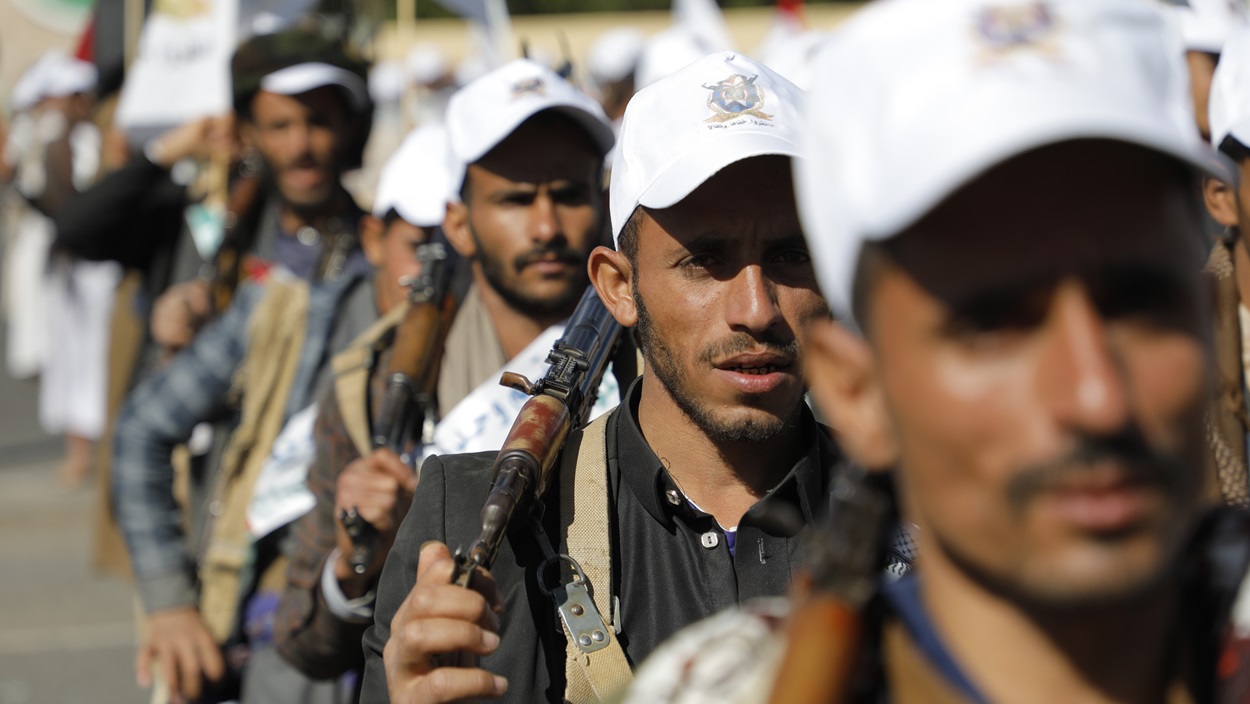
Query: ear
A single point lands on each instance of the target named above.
(456, 229)
(372, 232)
(843, 378)
(612, 276)
(1221, 201)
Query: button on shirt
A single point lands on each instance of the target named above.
(667, 571)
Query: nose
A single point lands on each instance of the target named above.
(299, 138)
(544, 222)
(752, 305)
(1083, 377)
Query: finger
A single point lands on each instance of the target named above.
(449, 601)
(143, 666)
(448, 684)
(211, 662)
(387, 462)
(188, 670)
(434, 563)
(420, 639)
(169, 668)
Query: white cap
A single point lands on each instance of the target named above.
(1230, 91)
(425, 63)
(1206, 24)
(483, 113)
(683, 129)
(919, 97)
(414, 182)
(68, 76)
(386, 82)
(615, 54)
(301, 78)
(665, 53)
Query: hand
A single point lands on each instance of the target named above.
(183, 649)
(380, 488)
(198, 139)
(439, 617)
(179, 313)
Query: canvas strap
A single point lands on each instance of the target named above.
(352, 367)
(595, 676)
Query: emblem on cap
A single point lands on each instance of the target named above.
(529, 86)
(1004, 29)
(734, 97)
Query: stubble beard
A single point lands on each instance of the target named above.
(495, 270)
(663, 362)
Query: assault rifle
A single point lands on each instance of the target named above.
(561, 401)
(825, 631)
(412, 379)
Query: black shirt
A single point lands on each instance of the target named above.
(671, 564)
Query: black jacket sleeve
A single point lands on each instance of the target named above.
(126, 217)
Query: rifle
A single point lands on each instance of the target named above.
(242, 216)
(560, 401)
(826, 629)
(412, 379)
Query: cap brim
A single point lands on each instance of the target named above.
(301, 78)
(694, 168)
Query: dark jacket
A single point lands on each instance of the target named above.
(671, 564)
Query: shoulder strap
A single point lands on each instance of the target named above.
(351, 376)
(594, 676)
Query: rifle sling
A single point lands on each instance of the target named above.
(595, 676)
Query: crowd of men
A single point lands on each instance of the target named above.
(932, 384)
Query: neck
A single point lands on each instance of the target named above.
(723, 478)
(1241, 268)
(292, 218)
(1104, 653)
(516, 329)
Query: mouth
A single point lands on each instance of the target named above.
(755, 373)
(304, 177)
(549, 265)
(1107, 498)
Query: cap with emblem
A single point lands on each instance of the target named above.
(681, 130)
(885, 145)
(414, 182)
(1230, 92)
(483, 113)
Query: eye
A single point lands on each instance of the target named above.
(793, 256)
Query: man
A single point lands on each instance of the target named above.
(261, 366)
(1031, 354)
(302, 113)
(532, 190)
(1229, 267)
(712, 440)
(1205, 26)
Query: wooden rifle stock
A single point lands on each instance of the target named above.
(412, 380)
(824, 634)
(242, 214)
(561, 401)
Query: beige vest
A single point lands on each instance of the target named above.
(277, 332)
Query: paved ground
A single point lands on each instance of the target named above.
(66, 635)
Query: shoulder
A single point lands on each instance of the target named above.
(731, 657)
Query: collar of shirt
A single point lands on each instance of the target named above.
(903, 595)
(644, 474)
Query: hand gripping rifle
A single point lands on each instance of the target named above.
(826, 629)
(561, 401)
(412, 379)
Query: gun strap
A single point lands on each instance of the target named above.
(594, 676)
(352, 368)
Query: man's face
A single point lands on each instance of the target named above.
(392, 250)
(532, 213)
(722, 282)
(302, 139)
(1039, 347)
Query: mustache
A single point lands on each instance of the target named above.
(1141, 463)
(559, 252)
(743, 343)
